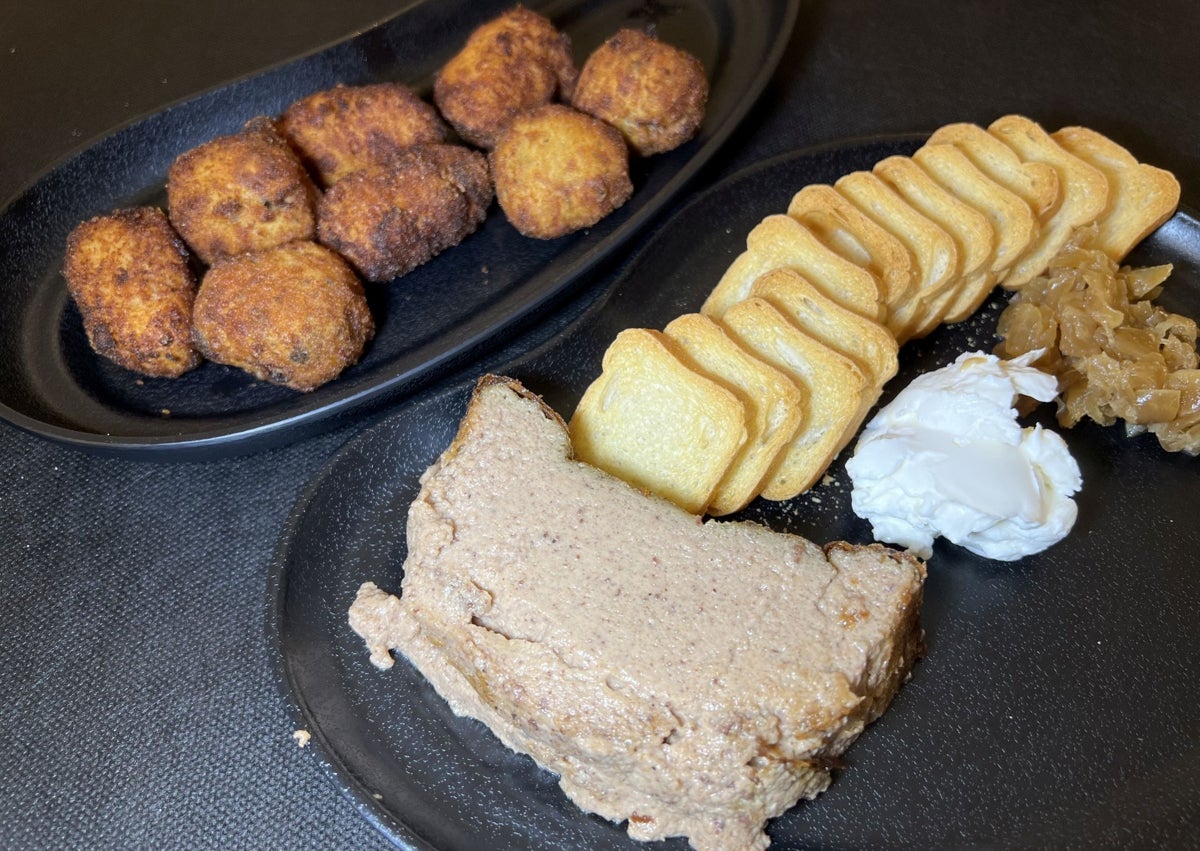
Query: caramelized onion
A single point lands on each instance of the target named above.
(1116, 353)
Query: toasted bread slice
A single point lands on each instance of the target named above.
(775, 406)
(781, 242)
(858, 238)
(1036, 183)
(1012, 219)
(870, 345)
(652, 421)
(934, 254)
(1084, 191)
(971, 231)
(1141, 196)
(834, 385)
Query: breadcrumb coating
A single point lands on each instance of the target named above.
(129, 276)
(557, 170)
(294, 315)
(244, 192)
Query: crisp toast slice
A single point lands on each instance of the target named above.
(933, 251)
(971, 231)
(833, 383)
(775, 406)
(781, 242)
(867, 343)
(1035, 183)
(652, 421)
(1083, 189)
(1141, 196)
(1012, 219)
(858, 238)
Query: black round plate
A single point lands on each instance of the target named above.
(429, 321)
(1056, 706)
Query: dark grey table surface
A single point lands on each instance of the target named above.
(138, 706)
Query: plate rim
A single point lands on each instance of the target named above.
(335, 769)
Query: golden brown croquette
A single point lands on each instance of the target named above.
(557, 170)
(512, 63)
(466, 169)
(347, 128)
(654, 93)
(244, 192)
(389, 219)
(128, 274)
(294, 315)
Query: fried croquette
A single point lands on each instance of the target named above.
(244, 192)
(347, 128)
(466, 169)
(653, 92)
(512, 63)
(294, 315)
(557, 170)
(128, 273)
(389, 219)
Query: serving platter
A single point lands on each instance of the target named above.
(1055, 706)
(429, 321)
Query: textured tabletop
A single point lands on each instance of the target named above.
(138, 699)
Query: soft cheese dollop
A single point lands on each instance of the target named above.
(947, 457)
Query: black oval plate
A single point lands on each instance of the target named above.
(436, 317)
(1056, 704)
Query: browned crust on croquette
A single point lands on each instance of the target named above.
(512, 63)
(467, 170)
(243, 192)
(557, 170)
(653, 92)
(388, 220)
(347, 128)
(294, 315)
(129, 276)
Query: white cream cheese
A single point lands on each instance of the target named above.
(947, 457)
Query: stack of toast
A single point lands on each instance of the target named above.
(759, 391)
